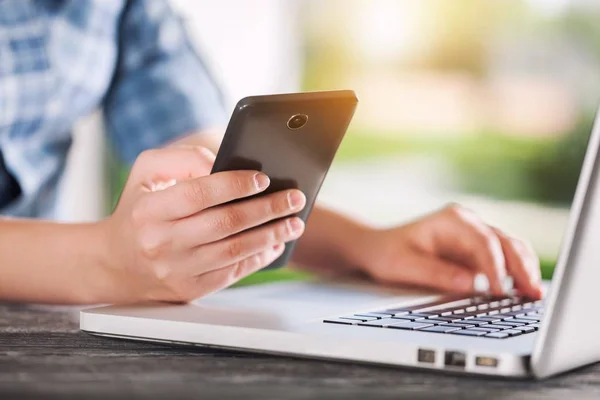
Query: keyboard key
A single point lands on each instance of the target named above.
(408, 317)
(509, 323)
(530, 319)
(519, 320)
(381, 323)
(358, 318)
(396, 311)
(455, 326)
(494, 326)
(410, 325)
(498, 335)
(341, 321)
(525, 329)
(372, 315)
(515, 313)
(512, 332)
(435, 321)
(490, 319)
(484, 329)
(382, 312)
(440, 329)
(464, 324)
(536, 326)
(445, 319)
(424, 314)
(468, 332)
(452, 310)
(478, 322)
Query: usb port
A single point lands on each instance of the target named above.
(456, 359)
(426, 356)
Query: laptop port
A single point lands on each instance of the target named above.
(426, 356)
(486, 361)
(455, 359)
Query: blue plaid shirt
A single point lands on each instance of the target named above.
(60, 59)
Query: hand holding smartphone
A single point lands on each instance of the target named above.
(292, 138)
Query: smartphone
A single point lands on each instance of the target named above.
(292, 138)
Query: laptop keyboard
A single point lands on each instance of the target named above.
(488, 317)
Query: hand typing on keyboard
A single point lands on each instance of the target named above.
(451, 250)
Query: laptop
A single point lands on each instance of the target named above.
(358, 322)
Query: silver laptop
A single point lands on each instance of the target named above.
(512, 336)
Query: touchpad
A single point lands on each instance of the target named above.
(315, 298)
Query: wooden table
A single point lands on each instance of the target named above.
(43, 354)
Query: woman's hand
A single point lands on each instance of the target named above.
(453, 251)
(185, 239)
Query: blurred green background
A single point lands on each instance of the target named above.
(489, 103)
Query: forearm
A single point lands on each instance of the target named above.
(331, 242)
(48, 262)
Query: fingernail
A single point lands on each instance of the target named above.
(481, 283)
(296, 199)
(295, 225)
(508, 284)
(261, 181)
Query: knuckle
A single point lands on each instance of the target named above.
(279, 205)
(278, 233)
(151, 245)
(197, 192)
(162, 272)
(234, 249)
(487, 239)
(239, 184)
(237, 272)
(455, 210)
(231, 219)
(523, 247)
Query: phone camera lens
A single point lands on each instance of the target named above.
(297, 121)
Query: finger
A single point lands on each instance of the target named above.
(213, 281)
(178, 162)
(522, 264)
(220, 222)
(465, 239)
(238, 247)
(192, 196)
(430, 272)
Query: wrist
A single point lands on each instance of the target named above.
(355, 247)
(99, 281)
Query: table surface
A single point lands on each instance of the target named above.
(43, 354)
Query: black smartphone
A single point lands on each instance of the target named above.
(292, 138)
